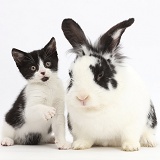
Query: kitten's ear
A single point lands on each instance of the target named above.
(51, 45)
(18, 55)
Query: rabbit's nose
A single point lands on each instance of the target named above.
(82, 98)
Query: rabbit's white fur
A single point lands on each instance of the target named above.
(108, 103)
(109, 118)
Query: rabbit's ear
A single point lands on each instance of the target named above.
(110, 40)
(74, 33)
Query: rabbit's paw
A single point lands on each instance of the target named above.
(81, 144)
(148, 141)
(130, 146)
(7, 142)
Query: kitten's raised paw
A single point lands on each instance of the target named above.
(7, 142)
(49, 113)
(63, 145)
(130, 146)
(81, 144)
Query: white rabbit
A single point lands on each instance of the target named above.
(108, 104)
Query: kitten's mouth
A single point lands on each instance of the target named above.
(44, 79)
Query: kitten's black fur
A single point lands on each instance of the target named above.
(25, 61)
(15, 117)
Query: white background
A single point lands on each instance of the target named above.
(29, 24)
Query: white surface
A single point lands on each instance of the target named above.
(29, 25)
(48, 152)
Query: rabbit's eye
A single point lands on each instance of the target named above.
(33, 68)
(100, 75)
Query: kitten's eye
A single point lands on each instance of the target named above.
(48, 64)
(33, 68)
(100, 75)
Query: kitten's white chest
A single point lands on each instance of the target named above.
(40, 94)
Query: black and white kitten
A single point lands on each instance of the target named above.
(39, 109)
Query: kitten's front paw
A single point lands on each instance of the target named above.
(130, 146)
(7, 142)
(49, 113)
(81, 144)
(63, 145)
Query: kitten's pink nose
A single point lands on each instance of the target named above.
(43, 73)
